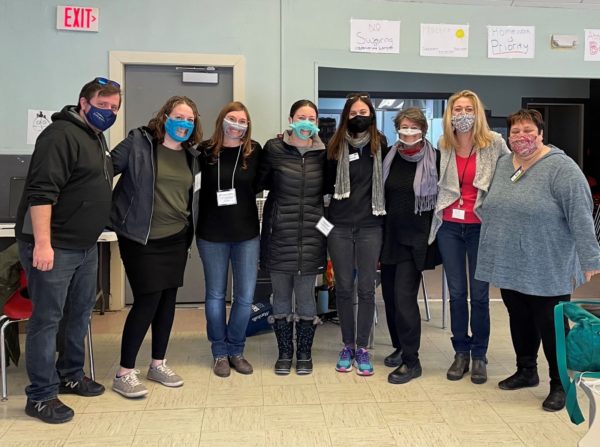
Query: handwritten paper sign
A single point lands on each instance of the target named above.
(444, 40)
(591, 51)
(37, 120)
(374, 36)
(511, 42)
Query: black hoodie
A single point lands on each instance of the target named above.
(71, 170)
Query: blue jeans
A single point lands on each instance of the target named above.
(63, 299)
(228, 337)
(458, 244)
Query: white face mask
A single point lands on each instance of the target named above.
(411, 144)
(409, 132)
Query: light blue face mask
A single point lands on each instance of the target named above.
(298, 126)
(172, 127)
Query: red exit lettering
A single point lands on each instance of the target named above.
(78, 17)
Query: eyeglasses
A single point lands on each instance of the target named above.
(105, 81)
(361, 96)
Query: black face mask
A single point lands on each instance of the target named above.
(360, 123)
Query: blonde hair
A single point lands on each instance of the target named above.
(482, 136)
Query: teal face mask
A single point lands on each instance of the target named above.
(299, 126)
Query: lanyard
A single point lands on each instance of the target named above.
(462, 177)
(232, 174)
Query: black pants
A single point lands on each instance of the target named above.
(531, 322)
(156, 309)
(400, 288)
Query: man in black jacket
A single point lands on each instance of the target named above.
(64, 208)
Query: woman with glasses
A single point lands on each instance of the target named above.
(293, 248)
(227, 232)
(469, 152)
(154, 208)
(355, 178)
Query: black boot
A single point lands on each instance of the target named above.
(459, 366)
(523, 378)
(556, 399)
(394, 359)
(305, 333)
(284, 332)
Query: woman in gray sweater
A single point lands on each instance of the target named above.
(537, 244)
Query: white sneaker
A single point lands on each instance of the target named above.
(129, 385)
(164, 375)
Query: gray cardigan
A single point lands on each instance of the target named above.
(449, 189)
(537, 235)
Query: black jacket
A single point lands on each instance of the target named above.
(133, 199)
(290, 242)
(71, 170)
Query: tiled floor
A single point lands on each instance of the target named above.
(323, 409)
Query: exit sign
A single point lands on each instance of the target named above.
(77, 18)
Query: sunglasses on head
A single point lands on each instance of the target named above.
(105, 81)
(362, 96)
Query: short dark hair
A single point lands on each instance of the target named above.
(89, 90)
(526, 115)
(414, 114)
(303, 103)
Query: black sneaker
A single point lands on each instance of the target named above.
(51, 411)
(85, 387)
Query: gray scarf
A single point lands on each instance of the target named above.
(342, 177)
(426, 176)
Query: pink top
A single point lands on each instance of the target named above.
(465, 166)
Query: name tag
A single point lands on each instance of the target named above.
(197, 181)
(324, 226)
(226, 197)
(354, 156)
(457, 213)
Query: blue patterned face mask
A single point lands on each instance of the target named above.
(174, 127)
(298, 126)
(101, 119)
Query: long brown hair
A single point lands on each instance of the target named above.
(157, 123)
(481, 131)
(218, 136)
(335, 145)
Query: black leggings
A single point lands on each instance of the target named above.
(158, 309)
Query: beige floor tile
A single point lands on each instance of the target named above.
(54, 443)
(190, 395)
(459, 413)
(291, 395)
(233, 419)
(421, 435)
(298, 438)
(522, 411)
(545, 434)
(100, 441)
(408, 392)
(399, 413)
(442, 389)
(479, 435)
(269, 378)
(359, 437)
(248, 396)
(329, 376)
(111, 401)
(345, 393)
(353, 415)
(293, 417)
(170, 421)
(168, 440)
(27, 428)
(222, 439)
(491, 392)
(106, 424)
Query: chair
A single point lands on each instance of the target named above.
(19, 308)
(591, 388)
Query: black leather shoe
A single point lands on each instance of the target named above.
(479, 371)
(51, 411)
(404, 374)
(394, 359)
(555, 400)
(85, 387)
(459, 367)
(523, 378)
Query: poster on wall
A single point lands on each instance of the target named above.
(374, 36)
(444, 40)
(511, 42)
(37, 120)
(591, 51)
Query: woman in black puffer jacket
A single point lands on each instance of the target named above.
(293, 250)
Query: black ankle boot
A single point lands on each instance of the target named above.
(284, 332)
(556, 399)
(523, 378)
(305, 333)
(394, 359)
(459, 367)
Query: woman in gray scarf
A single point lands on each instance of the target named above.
(354, 176)
(410, 175)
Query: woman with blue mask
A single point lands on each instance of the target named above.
(227, 232)
(155, 206)
(469, 151)
(354, 178)
(293, 248)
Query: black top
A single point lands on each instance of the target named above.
(405, 233)
(231, 223)
(356, 210)
(71, 170)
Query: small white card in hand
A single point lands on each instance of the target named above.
(226, 197)
(197, 181)
(324, 226)
(457, 213)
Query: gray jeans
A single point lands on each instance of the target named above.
(302, 287)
